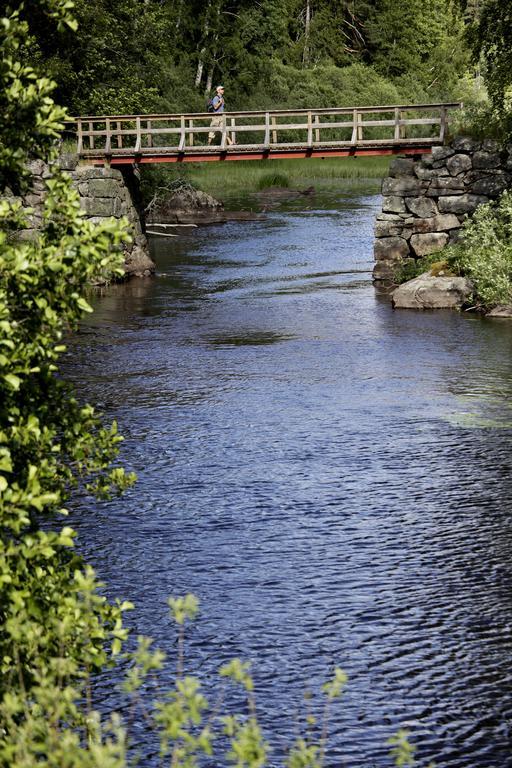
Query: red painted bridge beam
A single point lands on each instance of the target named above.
(284, 155)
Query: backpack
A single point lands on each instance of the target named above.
(209, 106)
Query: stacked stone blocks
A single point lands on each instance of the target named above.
(103, 194)
(426, 199)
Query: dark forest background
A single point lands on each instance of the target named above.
(140, 56)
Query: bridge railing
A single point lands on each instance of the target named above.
(158, 134)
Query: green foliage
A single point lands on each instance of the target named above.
(408, 269)
(402, 750)
(480, 120)
(55, 627)
(489, 32)
(31, 122)
(421, 37)
(485, 254)
(183, 608)
(326, 85)
(242, 177)
(163, 55)
(112, 63)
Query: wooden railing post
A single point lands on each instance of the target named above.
(354, 126)
(317, 130)
(119, 136)
(310, 129)
(191, 135)
(274, 132)
(403, 128)
(108, 140)
(266, 140)
(150, 137)
(138, 142)
(233, 133)
(359, 126)
(397, 124)
(80, 137)
(444, 123)
(91, 137)
(183, 135)
(224, 134)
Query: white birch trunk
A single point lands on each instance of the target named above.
(307, 28)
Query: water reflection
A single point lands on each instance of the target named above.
(305, 468)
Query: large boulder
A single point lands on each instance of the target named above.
(465, 144)
(486, 160)
(441, 153)
(393, 204)
(384, 271)
(184, 204)
(440, 223)
(503, 310)
(432, 292)
(138, 263)
(491, 185)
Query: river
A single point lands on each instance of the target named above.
(330, 477)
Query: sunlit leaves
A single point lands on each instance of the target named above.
(183, 608)
(485, 254)
(55, 626)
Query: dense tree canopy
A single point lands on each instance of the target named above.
(490, 34)
(146, 55)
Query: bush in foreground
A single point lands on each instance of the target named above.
(484, 255)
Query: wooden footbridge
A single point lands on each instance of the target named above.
(338, 132)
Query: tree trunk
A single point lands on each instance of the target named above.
(307, 28)
(200, 67)
(209, 79)
(202, 52)
(177, 24)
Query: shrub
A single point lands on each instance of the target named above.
(485, 252)
(411, 268)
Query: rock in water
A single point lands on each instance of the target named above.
(433, 292)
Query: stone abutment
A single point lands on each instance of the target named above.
(426, 199)
(104, 193)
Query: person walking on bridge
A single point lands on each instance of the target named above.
(217, 106)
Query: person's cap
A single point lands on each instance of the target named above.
(219, 87)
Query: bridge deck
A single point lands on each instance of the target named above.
(382, 130)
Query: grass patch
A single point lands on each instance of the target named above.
(246, 176)
(273, 180)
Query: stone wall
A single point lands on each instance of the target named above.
(426, 199)
(104, 192)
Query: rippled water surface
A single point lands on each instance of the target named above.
(330, 477)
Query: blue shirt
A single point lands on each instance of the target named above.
(218, 103)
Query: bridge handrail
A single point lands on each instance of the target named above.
(274, 112)
(106, 135)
